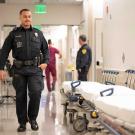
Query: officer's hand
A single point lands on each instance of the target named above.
(79, 70)
(3, 75)
(43, 66)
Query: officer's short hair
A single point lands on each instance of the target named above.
(83, 37)
(22, 10)
(49, 41)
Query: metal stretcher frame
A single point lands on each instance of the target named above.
(102, 118)
(5, 88)
(109, 77)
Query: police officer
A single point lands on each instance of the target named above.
(26, 44)
(84, 58)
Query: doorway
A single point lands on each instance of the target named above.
(98, 49)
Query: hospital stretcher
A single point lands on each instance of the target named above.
(112, 105)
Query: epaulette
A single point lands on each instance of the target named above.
(36, 29)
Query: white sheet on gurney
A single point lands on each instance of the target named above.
(91, 90)
(121, 107)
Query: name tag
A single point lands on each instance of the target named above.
(18, 36)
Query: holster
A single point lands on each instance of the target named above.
(11, 71)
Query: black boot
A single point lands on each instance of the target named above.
(21, 128)
(34, 125)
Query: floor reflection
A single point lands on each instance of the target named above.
(51, 120)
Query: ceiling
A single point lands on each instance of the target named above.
(41, 1)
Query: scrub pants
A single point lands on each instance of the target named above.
(50, 70)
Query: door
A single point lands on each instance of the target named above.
(98, 56)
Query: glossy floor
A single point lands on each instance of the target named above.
(50, 119)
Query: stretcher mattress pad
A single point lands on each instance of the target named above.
(122, 107)
(91, 90)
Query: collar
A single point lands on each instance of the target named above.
(22, 28)
(83, 45)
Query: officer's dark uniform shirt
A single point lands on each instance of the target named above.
(84, 58)
(25, 44)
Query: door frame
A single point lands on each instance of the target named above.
(95, 46)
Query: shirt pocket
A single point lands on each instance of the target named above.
(35, 42)
(18, 45)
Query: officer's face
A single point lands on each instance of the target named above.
(26, 19)
(80, 41)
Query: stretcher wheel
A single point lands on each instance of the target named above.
(80, 124)
(94, 114)
(81, 99)
(71, 117)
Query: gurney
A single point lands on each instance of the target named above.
(116, 104)
(93, 89)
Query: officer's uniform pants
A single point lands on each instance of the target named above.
(34, 84)
(50, 71)
(82, 76)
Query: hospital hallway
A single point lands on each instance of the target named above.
(51, 118)
(86, 48)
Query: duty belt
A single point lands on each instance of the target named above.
(29, 62)
(19, 63)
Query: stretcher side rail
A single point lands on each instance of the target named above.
(130, 80)
(109, 77)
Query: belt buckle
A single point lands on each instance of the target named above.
(27, 63)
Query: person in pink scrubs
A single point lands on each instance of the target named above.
(51, 67)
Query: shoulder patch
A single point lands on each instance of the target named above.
(36, 29)
(84, 51)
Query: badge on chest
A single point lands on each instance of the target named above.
(36, 34)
